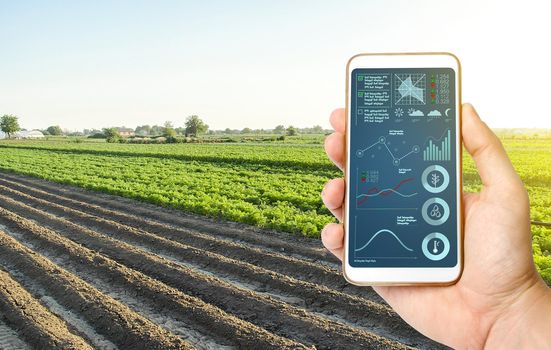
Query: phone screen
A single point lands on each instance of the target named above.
(402, 184)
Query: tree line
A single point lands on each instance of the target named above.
(193, 127)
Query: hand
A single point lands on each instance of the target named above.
(500, 300)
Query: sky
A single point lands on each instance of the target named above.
(257, 64)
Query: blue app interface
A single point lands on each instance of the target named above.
(402, 201)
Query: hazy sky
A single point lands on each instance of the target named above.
(84, 64)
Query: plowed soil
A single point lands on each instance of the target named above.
(81, 270)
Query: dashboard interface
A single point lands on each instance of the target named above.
(402, 168)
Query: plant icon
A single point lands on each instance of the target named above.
(434, 179)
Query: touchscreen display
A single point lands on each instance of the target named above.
(402, 206)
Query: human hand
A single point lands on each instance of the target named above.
(500, 300)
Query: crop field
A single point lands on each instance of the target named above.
(270, 185)
(206, 246)
(99, 271)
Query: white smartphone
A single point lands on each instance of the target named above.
(403, 206)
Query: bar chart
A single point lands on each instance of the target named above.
(438, 152)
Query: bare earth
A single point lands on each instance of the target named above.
(83, 270)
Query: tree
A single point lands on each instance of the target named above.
(143, 130)
(111, 134)
(292, 131)
(9, 124)
(91, 131)
(246, 131)
(156, 130)
(280, 129)
(317, 129)
(55, 130)
(169, 129)
(195, 126)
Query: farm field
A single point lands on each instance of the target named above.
(214, 247)
(99, 271)
(270, 185)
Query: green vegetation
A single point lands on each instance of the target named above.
(195, 126)
(9, 124)
(111, 134)
(268, 184)
(54, 130)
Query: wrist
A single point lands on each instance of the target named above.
(525, 322)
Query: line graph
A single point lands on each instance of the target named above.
(377, 234)
(382, 141)
(375, 191)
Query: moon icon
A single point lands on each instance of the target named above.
(446, 112)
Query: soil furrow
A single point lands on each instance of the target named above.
(114, 320)
(266, 239)
(166, 300)
(320, 299)
(273, 315)
(291, 265)
(9, 339)
(284, 264)
(36, 324)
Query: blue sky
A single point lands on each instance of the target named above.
(253, 63)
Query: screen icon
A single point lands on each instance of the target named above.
(435, 211)
(435, 179)
(435, 246)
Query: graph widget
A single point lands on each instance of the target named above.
(410, 89)
(403, 188)
(441, 152)
(370, 197)
(382, 143)
(386, 238)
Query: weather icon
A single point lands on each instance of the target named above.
(399, 112)
(434, 113)
(415, 113)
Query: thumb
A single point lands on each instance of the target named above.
(493, 164)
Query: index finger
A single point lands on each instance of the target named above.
(491, 159)
(337, 120)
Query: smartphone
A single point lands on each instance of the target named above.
(403, 205)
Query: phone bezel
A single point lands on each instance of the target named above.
(406, 275)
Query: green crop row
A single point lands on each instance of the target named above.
(281, 155)
(270, 197)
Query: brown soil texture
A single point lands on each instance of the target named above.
(83, 270)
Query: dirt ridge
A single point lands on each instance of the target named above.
(121, 325)
(241, 286)
(39, 327)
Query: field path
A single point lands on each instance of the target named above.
(112, 272)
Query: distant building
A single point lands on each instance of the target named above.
(3, 135)
(33, 134)
(125, 132)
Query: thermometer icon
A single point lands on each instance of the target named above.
(435, 247)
